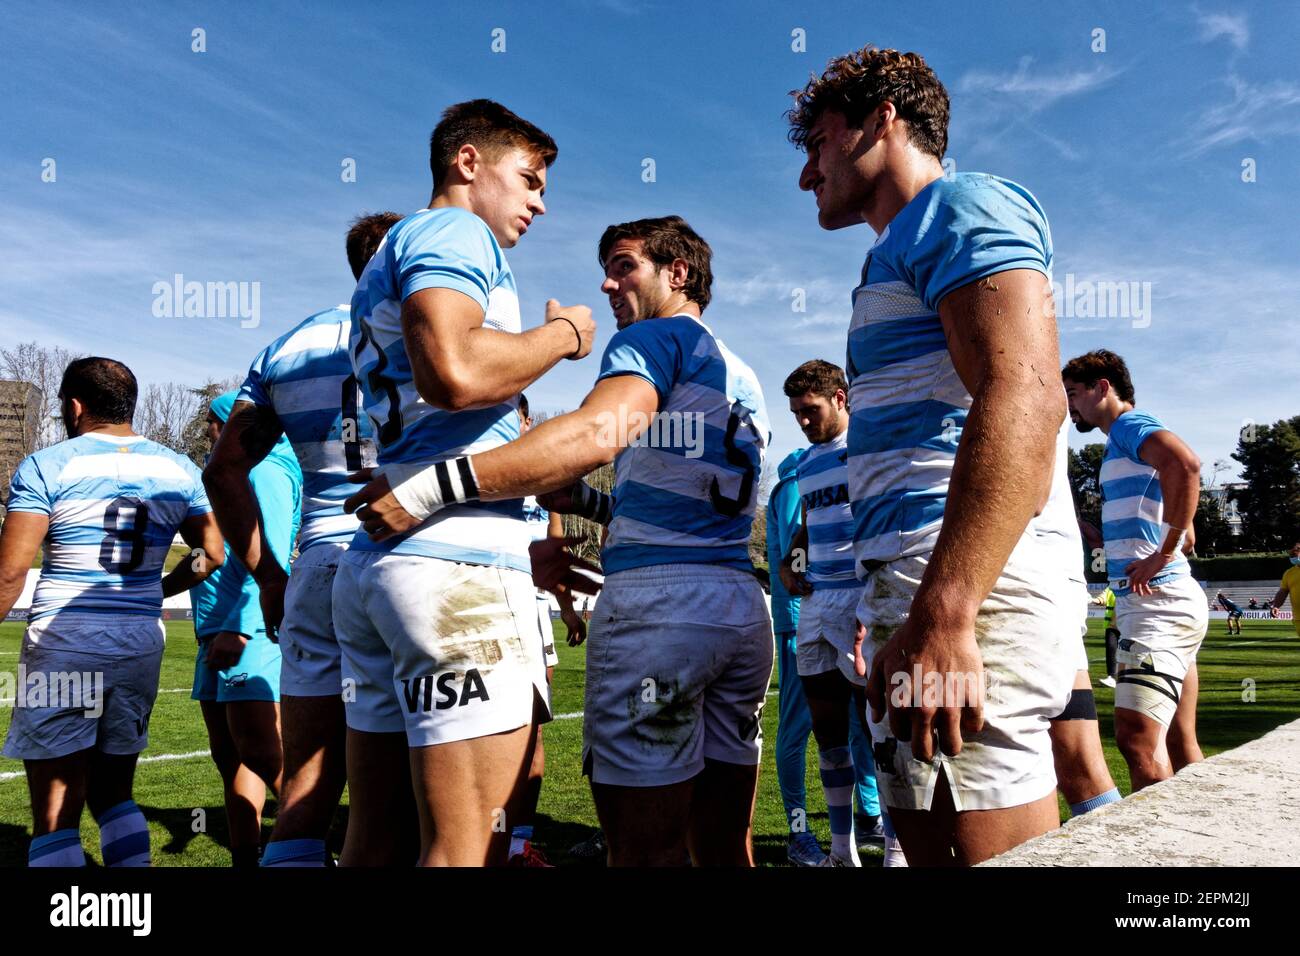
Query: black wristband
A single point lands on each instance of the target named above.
(574, 354)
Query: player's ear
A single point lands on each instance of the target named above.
(678, 273)
(468, 159)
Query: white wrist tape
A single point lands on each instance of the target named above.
(592, 504)
(422, 489)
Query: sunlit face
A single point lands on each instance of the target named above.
(838, 171)
(818, 415)
(636, 286)
(1084, 403)
(506, 193)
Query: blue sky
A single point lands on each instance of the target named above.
(225, 166)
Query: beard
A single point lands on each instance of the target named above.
(1083, 426)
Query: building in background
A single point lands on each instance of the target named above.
(1222, 496)
(20, 405)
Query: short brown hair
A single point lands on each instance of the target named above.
(490, 128)
(1090, 368)
(856, 83)
(664, 240)
(364, 236)
(819, 377)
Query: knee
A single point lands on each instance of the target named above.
(264, 761)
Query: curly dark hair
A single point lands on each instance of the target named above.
(856, 83)
(1091, 367)
(663, 240)
(817, 376)
(365, 233)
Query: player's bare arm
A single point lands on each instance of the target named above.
(553, 455)
(795, 581)
(20, 541)
(1002, 337)
(203, 535)
(458, 363)
(575, 626)
(1180, 488)
(245, 441)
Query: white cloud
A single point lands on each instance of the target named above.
(1215, 25)
(1036, 90)
(1256, 112)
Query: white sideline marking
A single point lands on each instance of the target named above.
(14, 775)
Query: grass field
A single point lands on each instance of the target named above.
(170, 789)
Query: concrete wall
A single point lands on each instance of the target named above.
(1238, 808)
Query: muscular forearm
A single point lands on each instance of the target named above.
(1179, 492)
(238, 512)
(798, 549)
(184, 576)
(1003, 466)
(11, 588)
(551, 456)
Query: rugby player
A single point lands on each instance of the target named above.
(1150, 485)
(1106, 599)
(1290, 587)
(542, 524)
(794, 721)
(301, 387)
(680, 651)
(964, 535)
(818, 567)
(1234, 612)
(105, 505)
(237, 668)
(438, 628)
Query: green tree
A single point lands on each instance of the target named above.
(1085, 482)
(194, 438)
(1270, 501)
(1213, 533)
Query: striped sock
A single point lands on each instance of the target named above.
(60, 848)
(124, 835)
(1092, 803)
(294, 853)
(837, 783)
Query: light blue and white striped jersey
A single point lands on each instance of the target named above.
(114, 504)
(305, 376)
(908, 405)
(824, 490)
(685, 493)
(1132, 507)
(446, 248)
